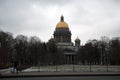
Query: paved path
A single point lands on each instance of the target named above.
(51, 74)
(68, 78)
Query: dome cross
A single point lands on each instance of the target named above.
(62, 18)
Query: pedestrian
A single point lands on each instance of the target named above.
(15, 68)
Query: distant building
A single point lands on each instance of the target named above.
(62, 37)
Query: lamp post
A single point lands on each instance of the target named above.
(0, 44)
(107, 62)
(107, 57)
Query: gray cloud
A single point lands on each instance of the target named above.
(86, 18)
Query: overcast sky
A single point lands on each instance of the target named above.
(87, 19)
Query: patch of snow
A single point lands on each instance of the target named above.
(77, 68)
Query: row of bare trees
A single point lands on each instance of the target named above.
(104, 51)
(28, 51)
(6, 48)
(32, 51)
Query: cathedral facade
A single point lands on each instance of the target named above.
(62, 37)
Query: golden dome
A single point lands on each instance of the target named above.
(62, 24)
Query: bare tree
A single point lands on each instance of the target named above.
(6, 49)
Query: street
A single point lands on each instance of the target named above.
(67, 78)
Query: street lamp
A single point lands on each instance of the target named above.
(107, 57)
(0, 44)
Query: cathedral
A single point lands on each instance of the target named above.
(62, 37)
